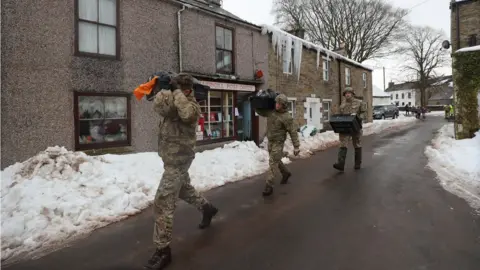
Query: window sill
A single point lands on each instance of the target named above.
(97, 56)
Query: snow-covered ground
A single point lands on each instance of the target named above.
(59, 195)
(457, 164)
(436, 113)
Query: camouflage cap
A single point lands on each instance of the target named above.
(282, 99)
(348, 89)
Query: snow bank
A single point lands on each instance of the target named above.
(59, 195)
(457, 164)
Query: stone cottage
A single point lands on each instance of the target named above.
(313, 78)
(69, 69)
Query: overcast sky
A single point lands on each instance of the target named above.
(434, 13)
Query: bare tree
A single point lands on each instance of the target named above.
(366, 28)
(423, 56)
(289, 14)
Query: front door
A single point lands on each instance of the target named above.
(313, 114)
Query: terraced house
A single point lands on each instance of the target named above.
(69, 80)
(314, 78)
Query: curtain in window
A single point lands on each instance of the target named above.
(107, 12)
(87, 37)
(107, 42)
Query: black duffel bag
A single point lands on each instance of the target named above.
(164, 82)
(264, 102)
(347, 124)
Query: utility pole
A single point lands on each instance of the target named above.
(384, 79)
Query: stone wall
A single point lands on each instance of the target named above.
(469, 14)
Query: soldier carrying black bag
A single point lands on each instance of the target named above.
(350, 105)
(279, 122)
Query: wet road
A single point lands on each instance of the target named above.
(390, 215)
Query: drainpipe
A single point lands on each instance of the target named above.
(339, 83)
(458, 26)
(179, 23)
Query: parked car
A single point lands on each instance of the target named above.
(385, 111)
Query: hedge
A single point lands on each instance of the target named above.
(466, 76)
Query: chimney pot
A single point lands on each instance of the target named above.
(391, 84)
(215, 2)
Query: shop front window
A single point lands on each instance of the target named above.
(217, 116)
(101, 120)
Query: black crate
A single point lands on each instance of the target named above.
(265, 103)
(346, 124)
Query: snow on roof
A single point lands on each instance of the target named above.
(441, 82)
(469, 49)
(279, 37)
(378, 92)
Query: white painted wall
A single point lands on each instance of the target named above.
(381, 101)
(397, 97)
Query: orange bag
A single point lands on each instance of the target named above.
(145, 88)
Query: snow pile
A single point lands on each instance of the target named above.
(457, 164)
(58, 195)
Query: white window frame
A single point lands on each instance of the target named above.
(364, 78)
(85, 20)
(348, 76)
(326, 69)
(329, 101)
(292, 100)
(289, 64)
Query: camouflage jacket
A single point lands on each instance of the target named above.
(278, 124)
(354, 106)
(178, 121)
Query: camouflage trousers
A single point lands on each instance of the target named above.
(276, 166)
(175, 184)
(356, 140)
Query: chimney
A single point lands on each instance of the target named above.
(391, 84)
(341, 50)
(299, 32)
(217, 3)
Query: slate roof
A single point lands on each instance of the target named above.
(446, 92)
(203, 4)
(412, 85)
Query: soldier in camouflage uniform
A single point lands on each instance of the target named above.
(350, 105)
(179, 113)
(279, 122)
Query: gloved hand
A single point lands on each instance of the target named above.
(296, 151)
(353, 114)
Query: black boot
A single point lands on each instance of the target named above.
(358, 158)
(267, 191)
(160, 259)
(208, 211)
(285, 178)
(342, 155)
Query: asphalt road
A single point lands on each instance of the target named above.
(390, 215)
